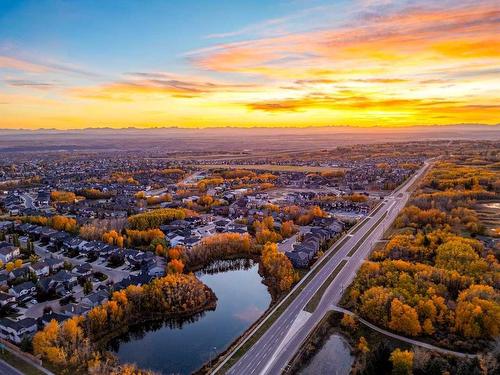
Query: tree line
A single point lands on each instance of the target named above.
(70, 347)
(433, 278)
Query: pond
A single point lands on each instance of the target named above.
(333, 358)
(494, 205)
(182, 347)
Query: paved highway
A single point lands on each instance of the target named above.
(277, 346)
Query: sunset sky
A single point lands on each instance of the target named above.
(75, 64)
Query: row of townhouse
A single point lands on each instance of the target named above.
(312, 242)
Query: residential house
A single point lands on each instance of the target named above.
(8, 252)
(24, 242)
(95, 299)
(74, 243)
(19, 272)
(40, 268)
(75, 309)
(66, 278)
(4, 278)
(141, 279)
(48, 317)
(54, 264)
(298, 259)
(153, 268)
(6, 226)
(17, 330)
(23, 290)
(6, 298)
(83, 269)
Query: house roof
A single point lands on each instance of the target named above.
(76, 309)
(39, 265)
(47, 317)
(84, 267)
(7, 249)
(97, 297)
(18, 272)
(5, 296)
(20, 287)
(141, 279)
(63, 275)
(17, 325)
(53, 261)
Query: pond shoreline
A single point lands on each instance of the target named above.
(275, 295)
(244, 298)
(103, 341)
(316, 341)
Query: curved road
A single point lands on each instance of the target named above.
(28, 201)
(277, 346)
(403, 338)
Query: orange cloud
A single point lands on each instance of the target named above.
(426, 34)
(7, 62)
(156, 84)
(470, 49)
(423, 65)
(358, 106)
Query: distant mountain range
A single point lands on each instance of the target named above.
(229, 139)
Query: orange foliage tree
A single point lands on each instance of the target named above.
(62, 196)
(278, 268)
(288, 229)
(57, 222)
(69, 346)
(220, 246)
(155, 218)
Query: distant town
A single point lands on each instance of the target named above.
(79, 230)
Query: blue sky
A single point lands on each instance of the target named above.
(71, 64)
(119, 36)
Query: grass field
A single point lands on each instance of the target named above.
(271, 167)
(365, 236)
(19, 364)
(315, 300)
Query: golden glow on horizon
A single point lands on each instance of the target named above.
(420, 67)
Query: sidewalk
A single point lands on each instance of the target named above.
(404, 338)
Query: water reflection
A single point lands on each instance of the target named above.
(333, 358)
(227, 265)
(182, 346)
(139, 331)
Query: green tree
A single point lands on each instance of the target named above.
(88, 287)
(402, 362)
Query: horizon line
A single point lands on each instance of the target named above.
(165, 127)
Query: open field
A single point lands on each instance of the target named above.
(271, 167)
(488, 214)
(242, 142)
(314, 301)
(19, 364)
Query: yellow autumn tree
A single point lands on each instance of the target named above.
(404, 318)
(402, 362)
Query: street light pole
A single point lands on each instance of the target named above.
(212, 350)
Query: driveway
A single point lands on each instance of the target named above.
(36, 311)
(287, 245)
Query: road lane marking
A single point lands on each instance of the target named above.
(309, 287)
